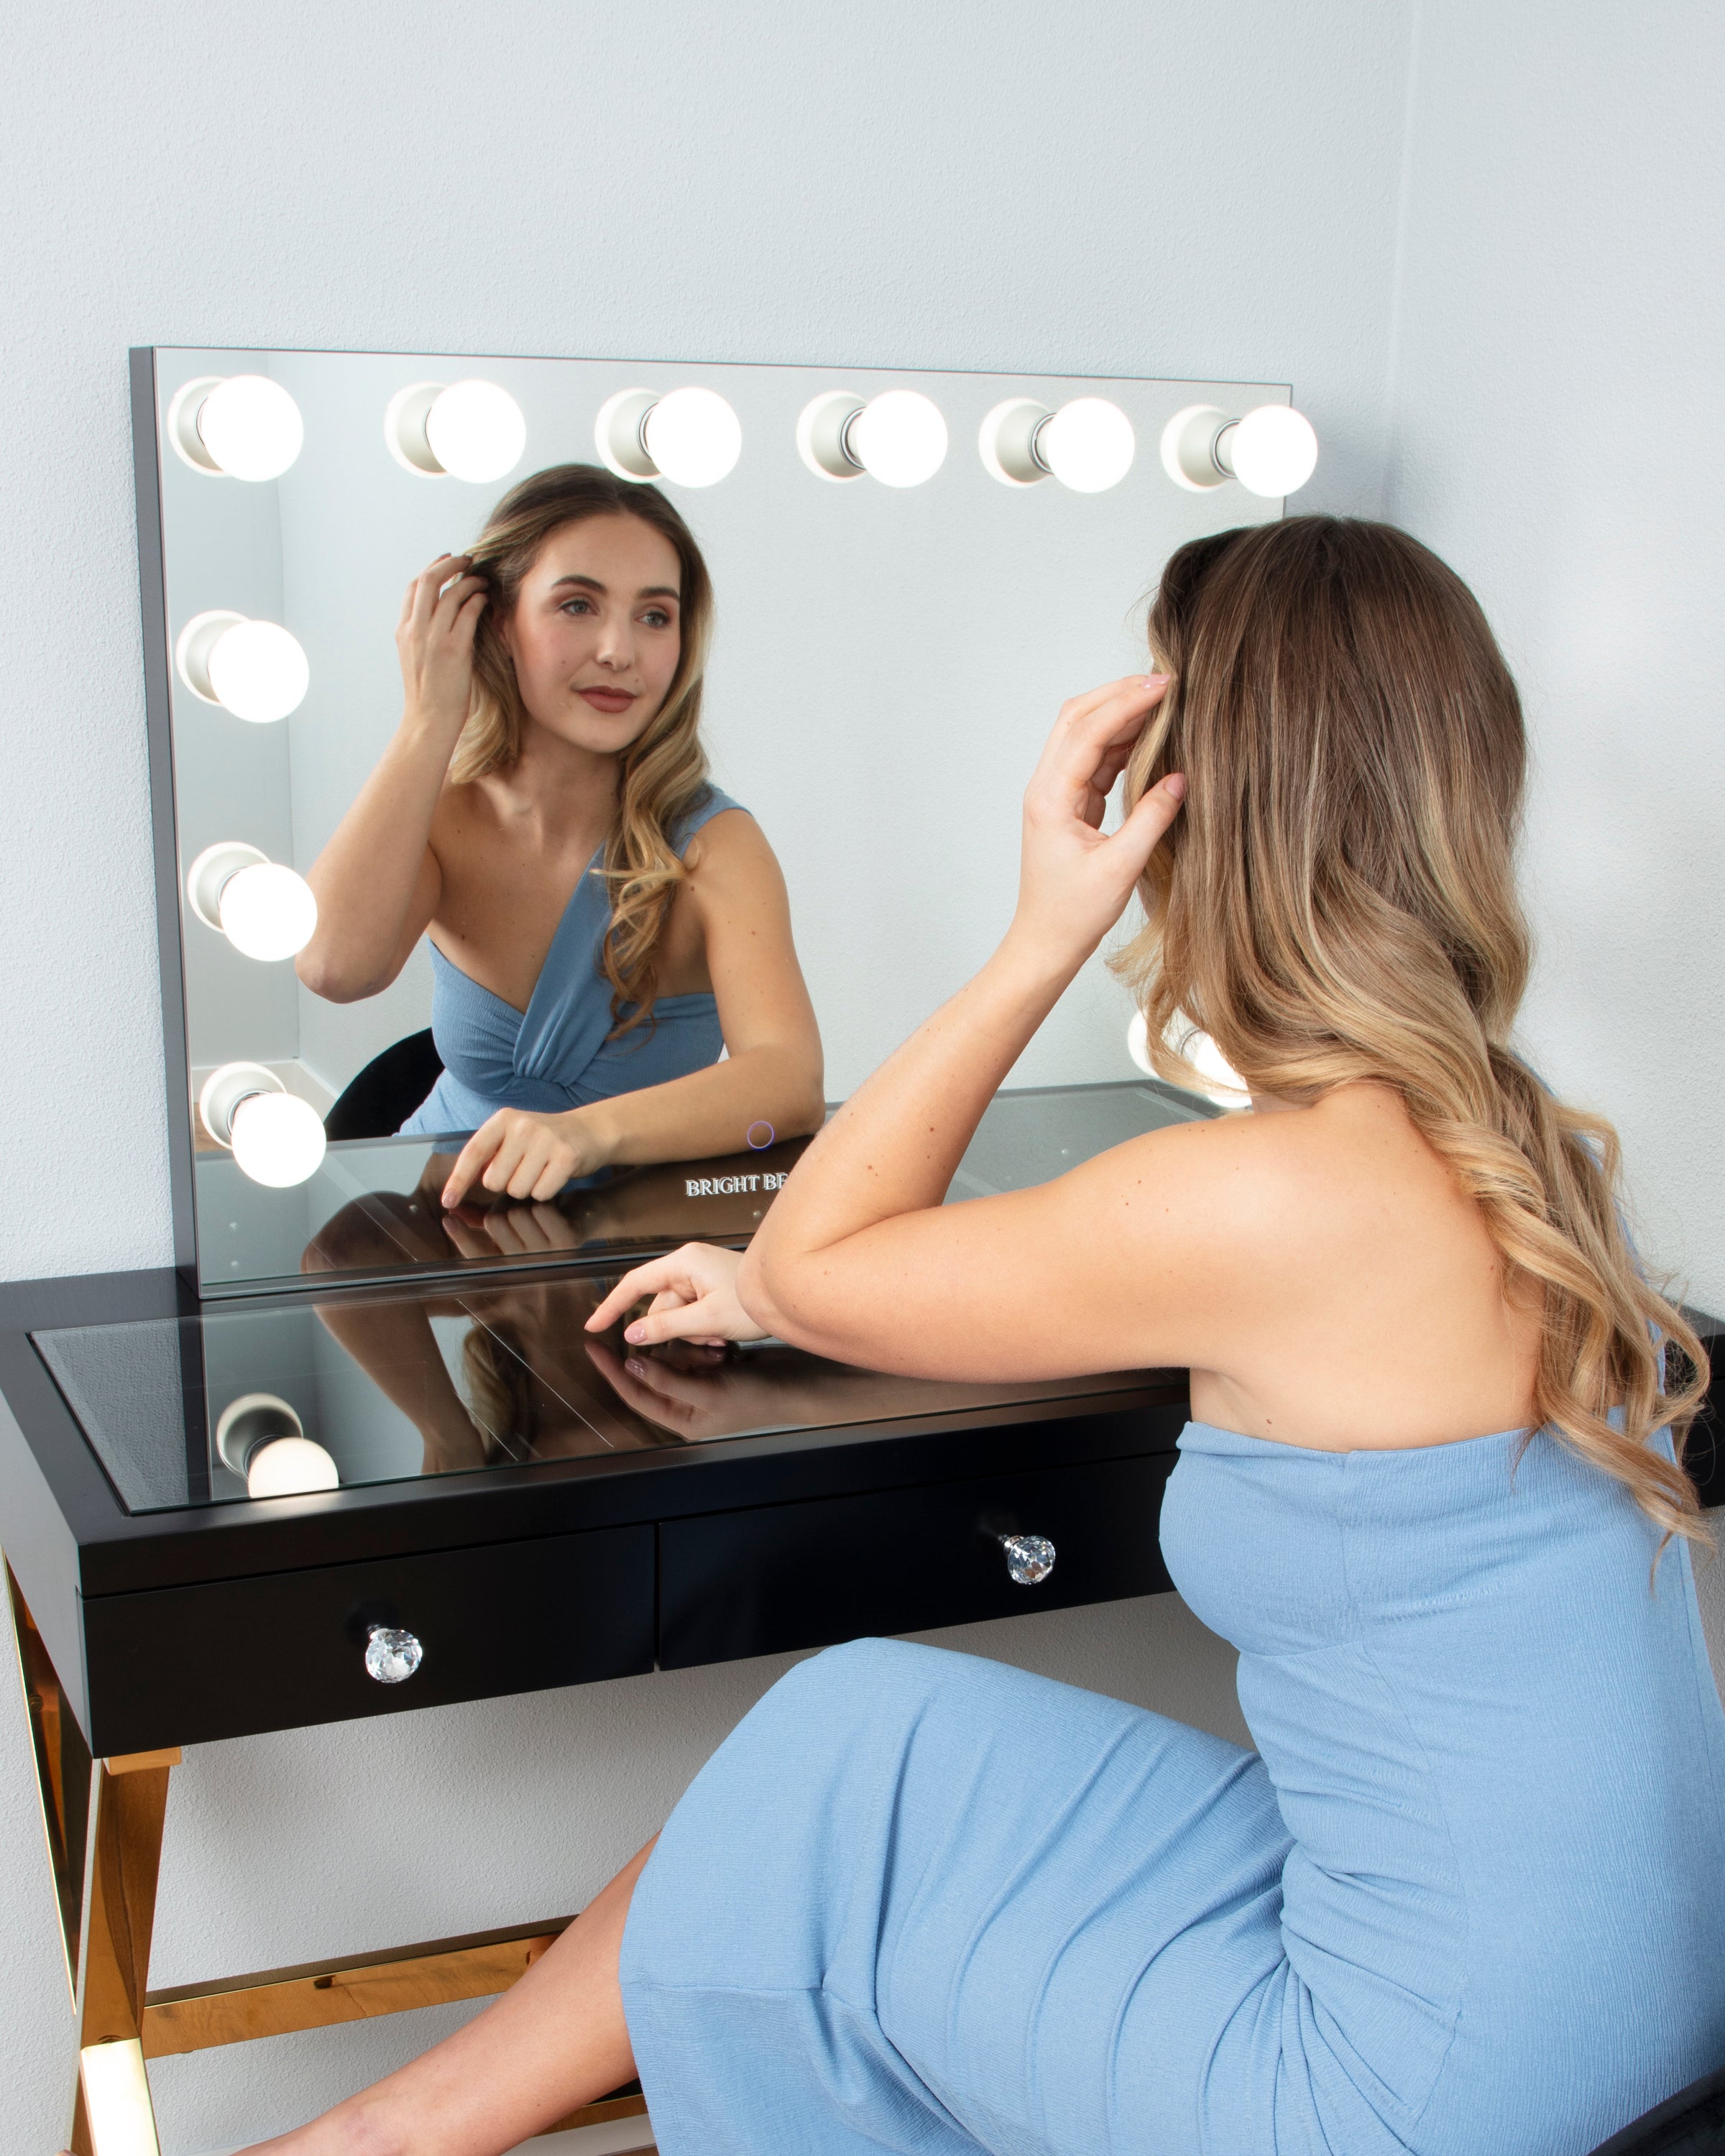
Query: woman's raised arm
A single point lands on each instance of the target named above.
(377, 881)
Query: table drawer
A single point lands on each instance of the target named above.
(810, 1575)
(285, 1651)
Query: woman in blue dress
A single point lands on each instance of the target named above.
(602, 920)
(1466, 1893)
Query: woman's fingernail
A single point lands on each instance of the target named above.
(1156, 680)
(635, 1366)
(633, 1332)
(1175, 783)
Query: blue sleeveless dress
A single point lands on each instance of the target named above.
(555, 1055)
(1468, 1898)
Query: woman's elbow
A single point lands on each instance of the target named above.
(327, 977)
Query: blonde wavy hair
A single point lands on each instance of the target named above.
(1337, 901)
(663, 773)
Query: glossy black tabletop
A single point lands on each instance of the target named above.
(384, 1388)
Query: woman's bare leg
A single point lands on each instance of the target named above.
(555, 2041)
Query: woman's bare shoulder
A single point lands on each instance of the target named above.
(1282, 1180)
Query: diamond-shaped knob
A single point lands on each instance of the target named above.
(1029, 1558)
(392, 1657)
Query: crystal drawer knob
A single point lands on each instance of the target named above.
(392, 1657)
(1029, 1558)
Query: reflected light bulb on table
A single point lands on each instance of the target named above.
(898, 438)
(471, 430)
(689, 436)
(244, 426)
(1088, 445)
(260, 1436)
(256, 669)
(291, 1467)
(1272, 451)
(265, 910)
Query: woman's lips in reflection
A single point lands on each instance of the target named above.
(607, 700)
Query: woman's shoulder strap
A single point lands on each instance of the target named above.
(707, 805)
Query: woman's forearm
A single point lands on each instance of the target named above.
(894, 1145)
(710, 1110)
(366, 878)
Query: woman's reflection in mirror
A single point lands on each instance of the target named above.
(603, 920)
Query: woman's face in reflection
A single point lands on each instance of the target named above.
(597, 631)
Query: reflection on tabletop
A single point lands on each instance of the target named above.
(534, 1385)
(716, 1201)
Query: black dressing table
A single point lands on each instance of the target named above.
(516, 1507)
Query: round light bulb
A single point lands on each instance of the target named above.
(290, 1467)
(1221, 1082)
(267, 911)
(251, 427)
(899, 437)
(277, 1139)
(1087, 444)
(259, 671)
(694, 437)
(476, 431)
(1273, 450)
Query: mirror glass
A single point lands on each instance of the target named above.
(899, 606)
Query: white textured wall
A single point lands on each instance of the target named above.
(1132, 186)
(1560, 437)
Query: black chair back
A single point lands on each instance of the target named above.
(1690, 2124)
(387, 1091)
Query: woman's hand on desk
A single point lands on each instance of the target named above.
(695, 1298)
(527, 1156)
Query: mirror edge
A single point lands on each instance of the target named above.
(152, 596)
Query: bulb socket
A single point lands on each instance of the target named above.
(619, 433)
(194, 646)
(1007, 443)
(822, 427)
(224, 1090)
(246, 1426)
(182, 424)
(210, 872)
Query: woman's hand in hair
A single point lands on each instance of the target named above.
(695, 1298)
(1073, 880)
(440, 616)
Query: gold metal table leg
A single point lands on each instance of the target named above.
(103, 1820)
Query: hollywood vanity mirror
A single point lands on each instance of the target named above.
(910, 573)
(370, 1439)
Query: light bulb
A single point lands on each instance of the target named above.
(1087, 444)
(290, 1467)
(267, 911)
(1221, 1082)
(693, 436)
(1272, 452)
(259, 671)
(277, 1138)
(476, 431)
(244, 425)
(899, 438)
(254, 669)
